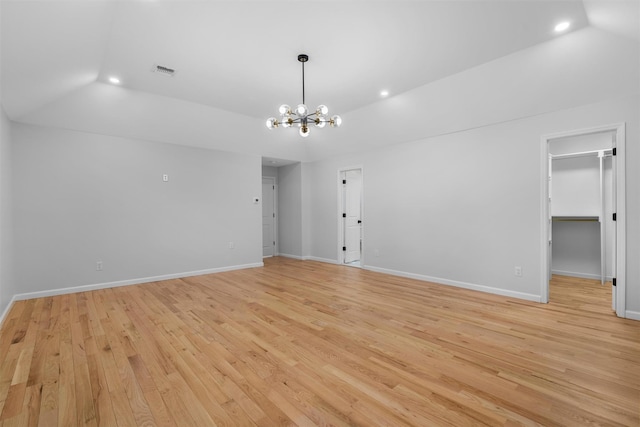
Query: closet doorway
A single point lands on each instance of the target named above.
(269, 221)
(584, 209)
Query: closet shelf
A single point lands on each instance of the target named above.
(575, 218)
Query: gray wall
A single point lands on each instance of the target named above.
(465, 208)
(82, 198)
(7, 283)
(576, 249)
(270, 171)
(290, 210)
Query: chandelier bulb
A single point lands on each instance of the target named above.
(336, 121)
(284, 109)
(272, 123)
(322, 110)
(302, 110)
(304, 131)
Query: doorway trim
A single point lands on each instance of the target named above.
(341, 236)
(275, 213)
(620, 209)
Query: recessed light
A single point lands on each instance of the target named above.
(114, 80)
(384, 93)
(562, 26)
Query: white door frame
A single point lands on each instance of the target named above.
(341, 237)
(275, 211)
(620, 209)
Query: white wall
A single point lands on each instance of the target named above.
(581, 143)
(464, 208)
(7, 283)
(575, 186)
(290, 210)
(82, 197)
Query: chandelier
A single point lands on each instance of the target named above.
(301, 116)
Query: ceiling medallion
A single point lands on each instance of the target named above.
(301, 116)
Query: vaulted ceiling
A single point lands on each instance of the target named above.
(235, 63)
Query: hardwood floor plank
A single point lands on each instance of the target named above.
(125, 383)
(307, 343)
(67, 402)
(31, 402)
(51, 370)
(19, 387)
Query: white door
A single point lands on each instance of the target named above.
(352, 204)
(549, 219)
(268, 217)
(614, 233)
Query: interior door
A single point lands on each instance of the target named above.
(614, 203)
(268, 217)
(353, 218)
(550, 218)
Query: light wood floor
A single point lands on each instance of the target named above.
(306, 343)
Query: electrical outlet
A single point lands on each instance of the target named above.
(232, 245)
(98, 265)
(517, 271)
(165, 177)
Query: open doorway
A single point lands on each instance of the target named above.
(584, 210)
(350, 216)
(269, 221)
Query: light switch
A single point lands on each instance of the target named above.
(165, 178)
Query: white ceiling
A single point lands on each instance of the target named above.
(236, 60)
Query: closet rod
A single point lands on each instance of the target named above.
(607, 152)
(575, 218)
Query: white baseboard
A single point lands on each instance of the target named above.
(6, 310)
(580, 275)
(633, 315)
(84, 288)
(325, 260)
(465, 285)
(298, 257)
(309, 258)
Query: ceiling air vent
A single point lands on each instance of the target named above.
(164, 70)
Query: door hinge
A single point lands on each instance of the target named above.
(344, 248)
(274, 243)
(344, 181)
(274, 215)
(615, 216)
(613, 281)
(344, 215)
(613, 151)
